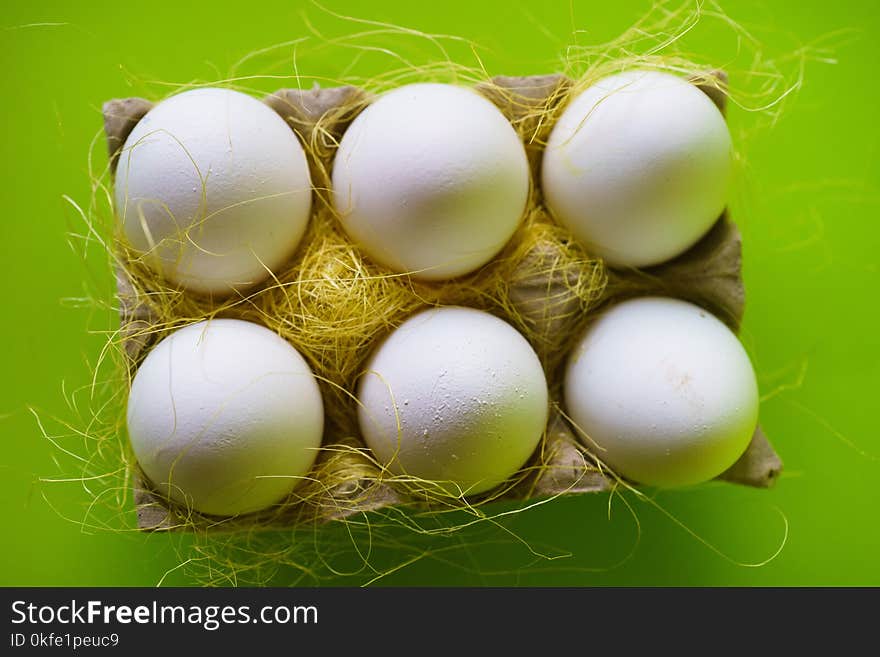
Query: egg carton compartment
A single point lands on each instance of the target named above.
(708, 274)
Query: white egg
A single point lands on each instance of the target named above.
(214, 187)
(665, 390)
(456, 396)
(638, 167)
(225, 416)
(431, 179)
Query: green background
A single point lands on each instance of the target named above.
(806, 200)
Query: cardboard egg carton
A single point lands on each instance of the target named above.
(708, 274)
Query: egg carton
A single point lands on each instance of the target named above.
(708, 274)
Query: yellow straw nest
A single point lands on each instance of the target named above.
(334, 305)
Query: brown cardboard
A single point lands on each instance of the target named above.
(707, 274)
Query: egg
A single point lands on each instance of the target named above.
(431, 179)
(225, 417)
(638, 167)
(213, 187)
(663, 390)
(455, 396)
